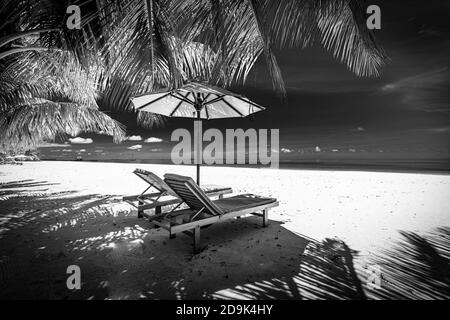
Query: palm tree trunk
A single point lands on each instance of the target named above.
(150, 21)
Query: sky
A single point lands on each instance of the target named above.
(404, 113)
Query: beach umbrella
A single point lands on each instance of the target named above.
(198, 101)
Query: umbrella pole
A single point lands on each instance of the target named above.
(199, 145)
(198, 174)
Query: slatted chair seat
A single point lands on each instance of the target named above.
(241, 202)
(204, 211)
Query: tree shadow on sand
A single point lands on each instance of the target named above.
(122, 258)
(33, 259)
(416, 267)
(17, 187)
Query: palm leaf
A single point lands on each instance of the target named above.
(252, 27)
(47, 95)
(26, 126)
(337, 25)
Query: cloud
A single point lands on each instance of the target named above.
(135, 147)
(134, 138)
(427, 91)
(79, 140)
(435, 130)
(153, 140)
(82, 150)
(286, 150)
(429, 32)
(67, 150)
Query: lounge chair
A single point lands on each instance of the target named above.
(164, 195)
(203, 211)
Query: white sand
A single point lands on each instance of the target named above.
(361, 208)
(364, 209)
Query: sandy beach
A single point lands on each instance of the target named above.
(330, 233)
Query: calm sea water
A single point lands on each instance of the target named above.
(387, 165)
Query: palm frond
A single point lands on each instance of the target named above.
(337, 25)
(46, 95)
(53, 75)
(136, 59)
(27, 125)
(235, 44)
(258, 10)
(149, 120)
(254, 27)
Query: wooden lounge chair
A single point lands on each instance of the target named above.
(163, 195)
(203, 211)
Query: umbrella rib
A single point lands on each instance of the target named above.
(235, 110)
(250, 102)
(185, 99)
(178, 105)
(149, 103)
(206, 97)
(214, 100)
(207, 113)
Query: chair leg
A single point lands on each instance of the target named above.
(265, 217)
(197, 239)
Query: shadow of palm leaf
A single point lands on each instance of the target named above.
(417, 267)
(325, 271)
(29, 183)
(17, 187)
(34, 255)
(49, 210)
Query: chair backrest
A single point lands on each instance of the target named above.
(155, 181)
(191, 193)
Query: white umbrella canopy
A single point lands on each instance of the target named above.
(214, 102)
(198, 101)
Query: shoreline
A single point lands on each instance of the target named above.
(318, 165)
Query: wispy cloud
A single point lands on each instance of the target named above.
(434, 130)
(427, 91)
